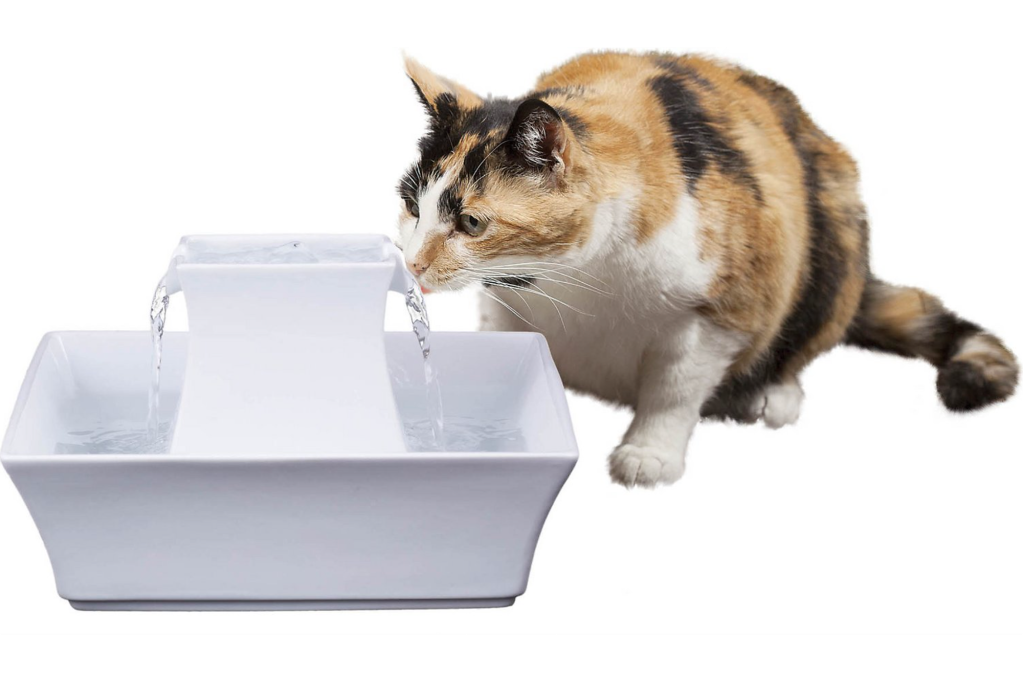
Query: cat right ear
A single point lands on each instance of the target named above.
(442, 97)
(538, 138)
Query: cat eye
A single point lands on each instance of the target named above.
(413, 208)
(471, 225)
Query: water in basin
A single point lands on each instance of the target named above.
(128, 437)
(89, 394)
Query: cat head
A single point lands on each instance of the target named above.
(499, 187)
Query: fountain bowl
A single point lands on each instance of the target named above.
(264, 530)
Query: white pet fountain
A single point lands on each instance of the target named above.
(294, 461)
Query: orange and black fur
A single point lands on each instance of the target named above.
(684, 235)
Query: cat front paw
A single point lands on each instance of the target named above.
(632, 465)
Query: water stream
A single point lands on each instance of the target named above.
(416, 305)
(157, 320)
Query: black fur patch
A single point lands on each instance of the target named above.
(574, 124)
(698, 142)
(448, 125)
(782, 101)
(434, 146)
(446, 106)
(828, 270)
(963, 387)
(949, 333)
(472, 169)
(495, 115)
(511, 281)
(674, 66)
(450, 204)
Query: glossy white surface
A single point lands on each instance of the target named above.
(290, 527)
(286, 355)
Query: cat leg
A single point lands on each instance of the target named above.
(678, 373)
(781, 403)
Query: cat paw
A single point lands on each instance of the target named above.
(782, 404)
(634, 465)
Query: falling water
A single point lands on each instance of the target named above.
(157, 319)
(416, 305)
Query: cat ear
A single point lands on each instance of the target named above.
(441, 97)
(538, 138)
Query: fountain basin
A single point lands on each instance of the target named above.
(255, 530)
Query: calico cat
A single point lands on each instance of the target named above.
(682, 233)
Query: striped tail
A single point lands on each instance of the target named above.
(975, 368)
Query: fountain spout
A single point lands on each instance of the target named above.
(286, 345)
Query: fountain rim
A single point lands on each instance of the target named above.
(187, 244)
(390, 256)
(553, 378)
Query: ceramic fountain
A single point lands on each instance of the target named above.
(294, 472)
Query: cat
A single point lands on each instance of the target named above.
(681, 232)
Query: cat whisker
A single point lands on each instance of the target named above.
(508, 308)
(488, 281)
(524, 302)
(575, 285)
(534, 289)
(578, 271)
(553, 301)
(556, 300)
(543, 267)
(482, 279)
(545, 276)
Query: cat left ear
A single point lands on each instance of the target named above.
(441, 97)
(538, 137)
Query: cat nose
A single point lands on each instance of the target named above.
(417, 267)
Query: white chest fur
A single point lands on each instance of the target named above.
(604, 304)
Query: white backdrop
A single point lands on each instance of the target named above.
(126, 125)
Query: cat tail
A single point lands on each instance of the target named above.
(975, 368)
